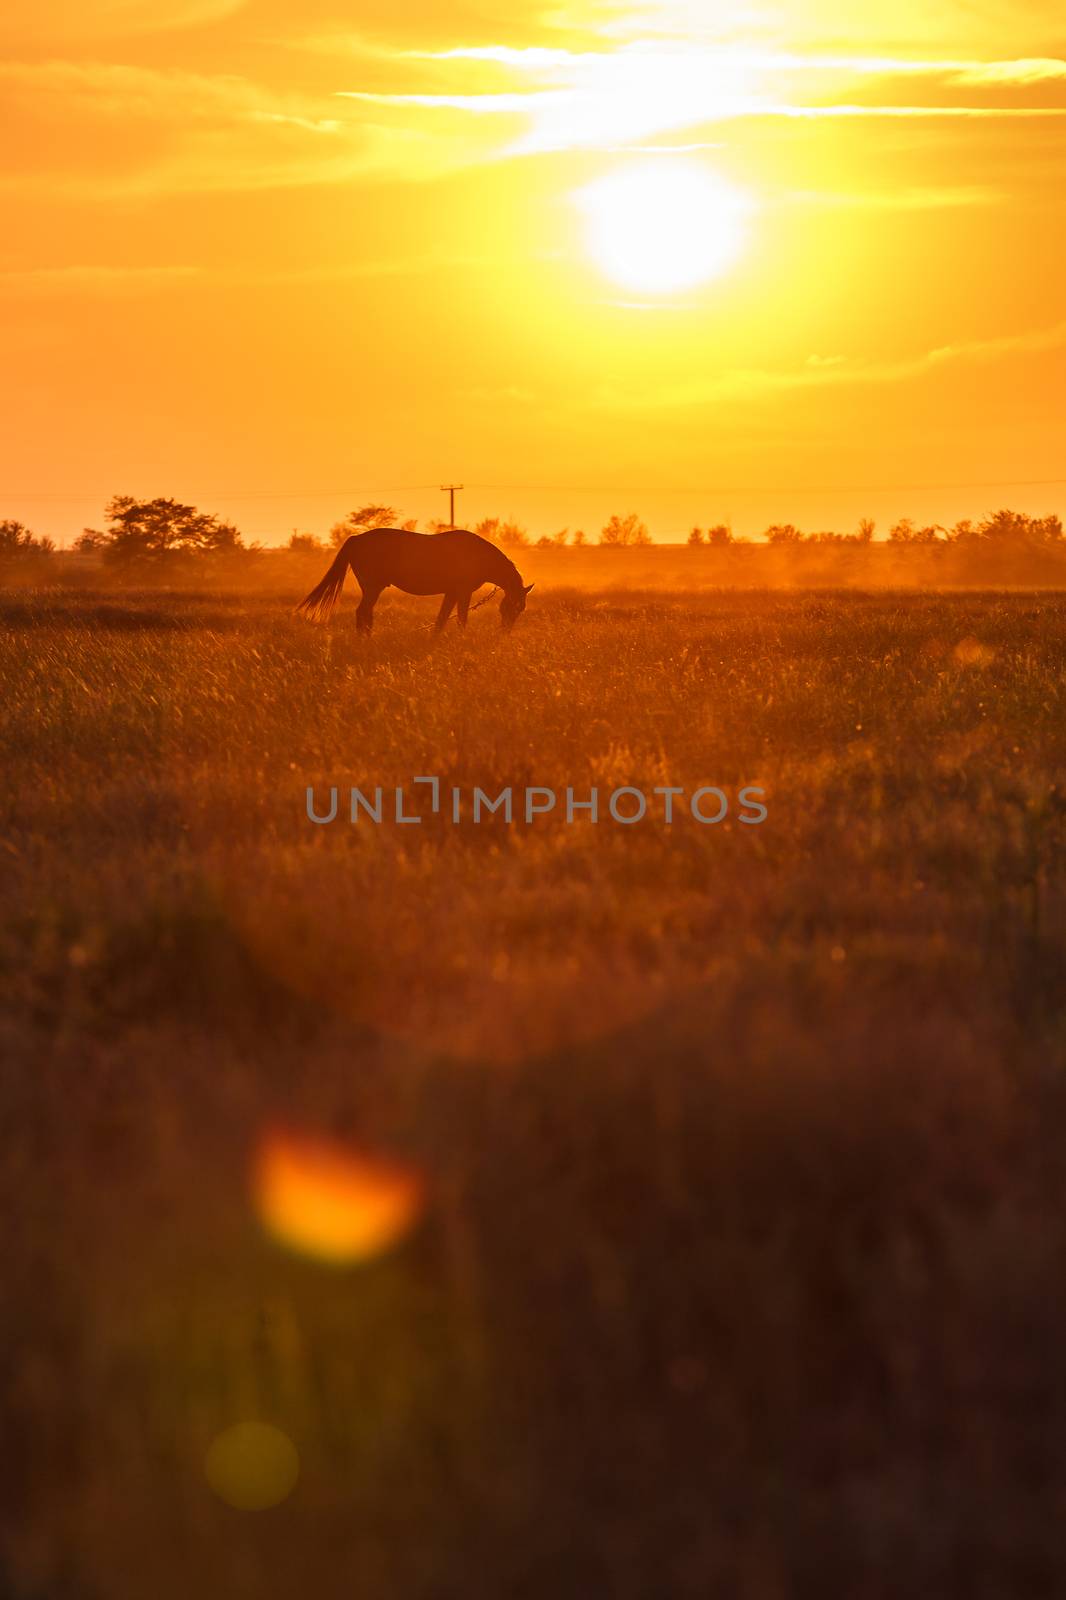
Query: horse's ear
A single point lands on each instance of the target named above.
(528, 587)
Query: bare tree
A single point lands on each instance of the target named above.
(508, 535)
(17, 543)
(368, 517)
(625, 531)
(905, 532)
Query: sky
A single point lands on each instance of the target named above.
(796, 261)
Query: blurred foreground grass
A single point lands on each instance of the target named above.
(741, 1271)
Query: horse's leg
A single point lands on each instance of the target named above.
(364, 616)
(463, 608)
(444, 613)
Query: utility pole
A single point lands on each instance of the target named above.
(449, 489)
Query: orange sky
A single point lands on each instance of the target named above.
(279, 258)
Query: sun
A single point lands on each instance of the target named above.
(662, 226)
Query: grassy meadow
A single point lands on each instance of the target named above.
(741, 1270)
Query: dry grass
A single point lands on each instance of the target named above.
(742, 1268)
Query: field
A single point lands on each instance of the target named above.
(742, 1267)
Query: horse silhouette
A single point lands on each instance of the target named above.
(452, 564)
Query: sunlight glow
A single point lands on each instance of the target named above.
(327, 1201)
(252, 1466)
(663, 226)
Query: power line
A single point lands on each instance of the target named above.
(763, 488)
(708, 490)
(243, 494)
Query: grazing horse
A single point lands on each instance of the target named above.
(452, 564)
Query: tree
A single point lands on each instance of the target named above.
(155, 529)
(579, 537)
(560, 539)
(783, 533)
(625, 531)
(544, 543)
(306, 544)
(720, 535)
(368, 517)
(905, 532)
(1011, 529)
(866, 529)
(17, 543)
(508, 535)
(221, 538)
(696, 537)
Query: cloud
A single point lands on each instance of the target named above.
(833, 371)
(976, 23)
(100, 130)
(80, 279)
(912, 199)
(69, 20)
(479, 104)
(1040, 69)
(567, 64)
(604, 98)
(914, 112)
(95, 279)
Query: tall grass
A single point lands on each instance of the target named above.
(741, 1271)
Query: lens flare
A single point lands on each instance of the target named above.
(661, 227)
(325, 1200)
(252, 1466)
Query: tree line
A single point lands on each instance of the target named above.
(160, 531)
(510, 535)
(1000, 528)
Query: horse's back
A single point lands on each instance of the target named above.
(423, 563)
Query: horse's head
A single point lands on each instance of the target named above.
(513, 604)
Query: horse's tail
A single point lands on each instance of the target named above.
(320, 603)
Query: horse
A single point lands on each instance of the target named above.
(453, 564)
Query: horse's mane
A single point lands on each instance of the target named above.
(511, 569)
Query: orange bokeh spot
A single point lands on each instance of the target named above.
(326, 1200)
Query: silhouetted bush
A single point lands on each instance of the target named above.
(18, 546)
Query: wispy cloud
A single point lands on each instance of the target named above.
(580, 99)
(79, 280)
(425, 113)
(569, 63)
(953, 22)
(828, 371)
(1034, 70)
(1000, 113)
(479, 104)
(904, 199)
(189, 132)
(95, 279)
(109, 19)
